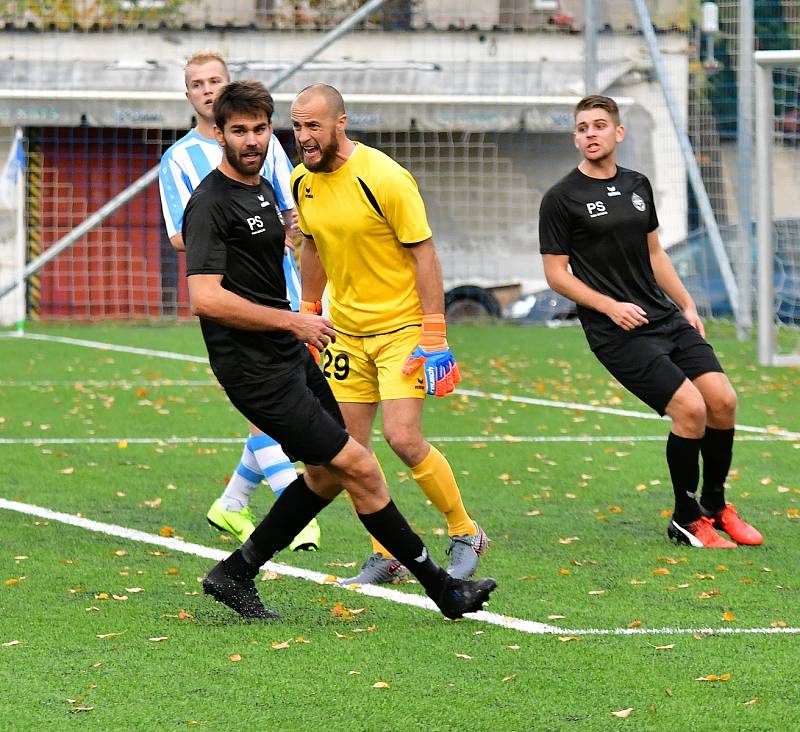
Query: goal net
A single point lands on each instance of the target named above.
(473, 98)
(777, 192)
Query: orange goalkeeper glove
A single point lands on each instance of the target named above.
(314, 308)
(440, 368)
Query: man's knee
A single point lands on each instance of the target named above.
(687, 411)
(406, 442)
(722, 405)
(720, 399)
(358, 466)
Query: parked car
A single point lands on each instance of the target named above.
(543, 306)
(696, 265)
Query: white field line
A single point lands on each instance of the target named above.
(107, 346)
(577, 406)
(384, 593)
(475, 439)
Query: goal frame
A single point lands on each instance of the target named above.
(765, 62)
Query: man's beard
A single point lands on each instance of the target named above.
(244, 169)
(327, 155)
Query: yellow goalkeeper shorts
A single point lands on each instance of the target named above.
(369, 369)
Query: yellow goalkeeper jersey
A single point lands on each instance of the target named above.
(363, 217)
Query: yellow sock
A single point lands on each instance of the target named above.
(435, 477)
(377, 547)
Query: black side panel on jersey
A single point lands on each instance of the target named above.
(296, 190)
(370, 197)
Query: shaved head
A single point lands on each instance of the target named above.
(331, 97)
(320, 123)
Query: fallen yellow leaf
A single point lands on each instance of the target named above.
(623, 713)
(380, 685)
(234, 657)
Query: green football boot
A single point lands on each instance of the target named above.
(239, 523)
(308, 540)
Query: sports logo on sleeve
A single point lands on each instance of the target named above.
(637, 202)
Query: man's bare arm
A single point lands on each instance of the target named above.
(212, 301)
(626, 315)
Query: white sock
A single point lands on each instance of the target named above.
(246, 478)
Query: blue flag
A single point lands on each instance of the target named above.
(12, 172)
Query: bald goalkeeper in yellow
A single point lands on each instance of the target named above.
(367, 237)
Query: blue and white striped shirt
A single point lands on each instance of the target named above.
(192, 158)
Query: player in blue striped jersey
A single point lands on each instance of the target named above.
(183, 166)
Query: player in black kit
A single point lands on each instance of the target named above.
(234, 239)
(600, 222)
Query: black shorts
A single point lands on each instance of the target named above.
(297, 410)
(654, 360)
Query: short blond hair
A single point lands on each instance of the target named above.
(203, 57)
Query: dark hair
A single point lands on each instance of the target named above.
(242, 97)
(597, 101)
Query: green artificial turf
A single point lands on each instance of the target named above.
(573, 500)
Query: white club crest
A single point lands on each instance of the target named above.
(637, 202)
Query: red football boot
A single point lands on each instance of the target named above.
(699, 533)
(740, 531)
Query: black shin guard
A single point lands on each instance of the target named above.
(391, 529)
(683, 459)
(295, 507)
(717, 452)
